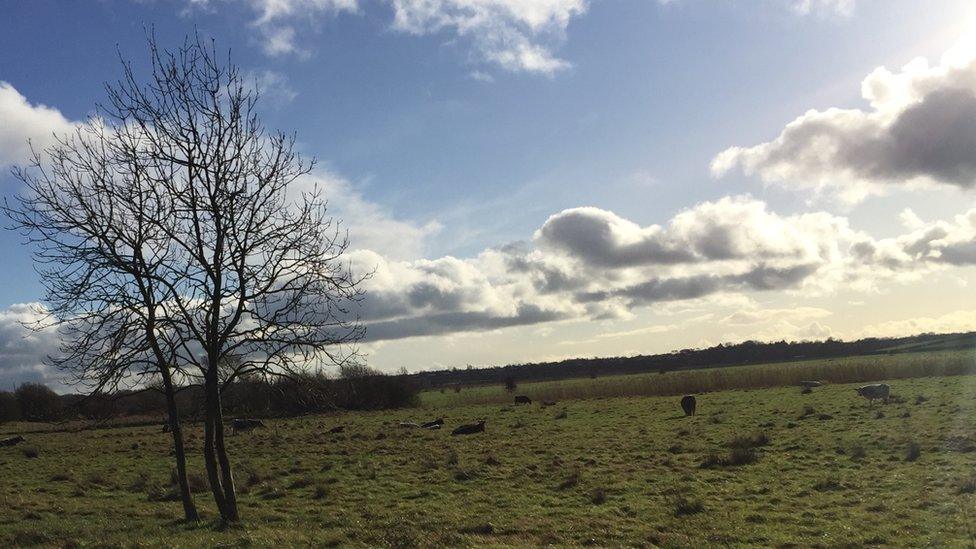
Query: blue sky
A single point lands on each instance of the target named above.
(460, 127)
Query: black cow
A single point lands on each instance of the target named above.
(522, 399)
(12, 441)
(436, 424)
(688, 405)
(470, 428)
(243, 424)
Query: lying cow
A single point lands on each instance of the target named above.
(522, 399)
(876, 391)
(409, 425)
(688, 404)
(810, 384)
(436, 424)
(470, 428)
(242, 424)
(12, 441)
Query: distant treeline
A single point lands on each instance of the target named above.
(747, 352)
(355, 388)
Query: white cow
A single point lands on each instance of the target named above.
(876, 391)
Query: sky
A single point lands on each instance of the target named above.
(541, 179)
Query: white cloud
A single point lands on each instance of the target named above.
(920, 129)
(23, 350)
(515, 35)
(21, 121)
(510, 33)
(371, 226)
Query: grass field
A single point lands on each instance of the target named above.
(769, 467)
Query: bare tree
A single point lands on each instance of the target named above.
(96, 225)
(174, 244)
(254, 276)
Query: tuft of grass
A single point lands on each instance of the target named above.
(572, 480)
(913, 452)
(753, 440)
(742, 456)
(967, 486)
(463, 475)
(321, 490)
(482, 529)
(598, 496)
(858, 452)
(828, 484)
(30, 452)
(687, 505)
(63, 476)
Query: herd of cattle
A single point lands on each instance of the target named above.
(875, 391)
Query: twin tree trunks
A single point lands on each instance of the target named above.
(175, 248)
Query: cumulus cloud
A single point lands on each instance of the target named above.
(727, 229)
(920, 129)
(935, 243)
(21, 121)
(588, 263)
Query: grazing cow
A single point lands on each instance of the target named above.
(12, 441)
(810, 384)
(876, 391)
(337, 429)
(688, 405)
(522, 399)
(470, 428)
(243, 424)
(436, 424)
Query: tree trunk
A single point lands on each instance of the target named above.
(189, 509)
(209, 453)
(230, 491)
